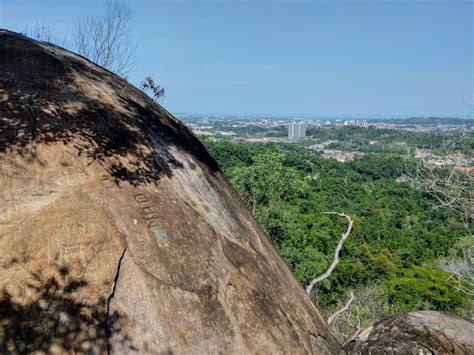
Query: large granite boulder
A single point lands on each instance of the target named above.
(424, 332)
(119, 233)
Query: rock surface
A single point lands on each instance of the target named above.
(118, 231)
(423, 332)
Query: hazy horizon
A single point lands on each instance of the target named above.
(319, 116)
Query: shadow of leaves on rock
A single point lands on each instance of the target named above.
(49, 317)
(51, 96)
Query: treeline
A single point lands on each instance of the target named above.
(390, 259)
(391, 140)
(366, 140)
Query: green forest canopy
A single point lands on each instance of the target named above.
(397, 240)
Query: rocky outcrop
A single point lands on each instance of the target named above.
(423, 332)
(118, 231)
(120, 234)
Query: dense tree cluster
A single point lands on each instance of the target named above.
(390, 260)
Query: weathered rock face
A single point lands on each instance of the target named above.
(119, 232)
(424, 332)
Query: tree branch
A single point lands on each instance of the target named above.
(333, 317)
(358, 328)
(106, 39)
(336, 253)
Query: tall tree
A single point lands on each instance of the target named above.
(106, 39)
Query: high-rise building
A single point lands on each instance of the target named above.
(357, 123)
(296, 130)
(362, 123)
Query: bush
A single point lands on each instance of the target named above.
(422, 287)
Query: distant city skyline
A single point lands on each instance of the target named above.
(467, 116)
(353, 59)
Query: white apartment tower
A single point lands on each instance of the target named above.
(296, 130)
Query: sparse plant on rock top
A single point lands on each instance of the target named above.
(155, 91)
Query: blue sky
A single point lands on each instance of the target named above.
(298, 58)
